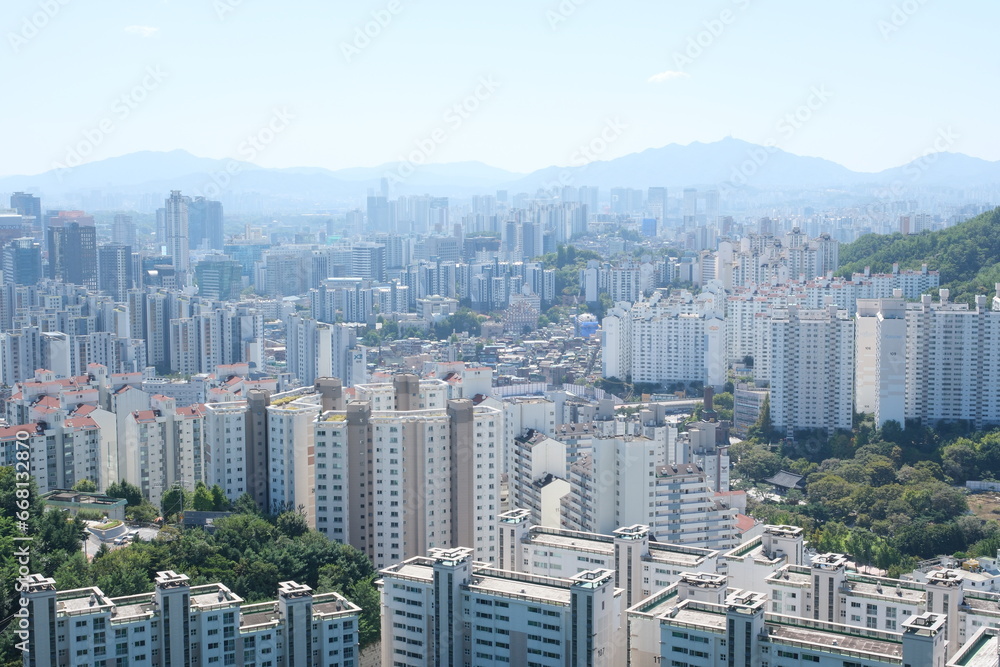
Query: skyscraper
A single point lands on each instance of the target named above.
(205, 224)
(656, 203)
(72, 243)
(28, 205)
(219, 278)
(123, 230)
(378, 214)
(176, 227)
(22, 262)
(115, 270)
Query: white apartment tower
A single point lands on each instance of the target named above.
(880, 359)
(952, 370)
(445, 609)
(812, 368)
(177, 231)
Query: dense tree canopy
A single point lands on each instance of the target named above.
(886, 496)
(967, 255)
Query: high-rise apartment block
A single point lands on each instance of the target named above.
(181, 624)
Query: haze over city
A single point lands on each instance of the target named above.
(675, 72)
(540, 333)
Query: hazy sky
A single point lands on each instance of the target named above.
(884, 77)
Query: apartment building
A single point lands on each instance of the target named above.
(446, 609)
(402, 469)
(812, 373)
(181, 624)
(951, 373)
(700, 622)
(163, 446)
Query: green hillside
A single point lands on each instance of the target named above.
(967, 255)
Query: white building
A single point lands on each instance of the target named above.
(641, 565)
(664, 340)
(812, 369)
(180, 624)
(444, 609)
(698, 622)
(163, 446)
(880, 359)
(952, 373)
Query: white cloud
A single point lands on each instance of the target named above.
(668, 76)
(141, 30)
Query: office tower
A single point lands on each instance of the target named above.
(368, 260)
(438, 215)
(656, 205)
(811, 368)
(219, 278)
(30, 207)
(176, 229)
(115, 270)
(690, 208)
(123, 230)
(22, 262)
(205, 224)
(179, 624)
(72, 244)
(517, 618)
(712, 207)
(378, 214)
(161, 230)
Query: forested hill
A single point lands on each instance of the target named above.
(967, 255)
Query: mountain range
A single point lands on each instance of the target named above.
(731, 163)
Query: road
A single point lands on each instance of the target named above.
(92, 544)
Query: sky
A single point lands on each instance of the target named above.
(336, 84)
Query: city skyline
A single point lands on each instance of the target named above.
(830, 87)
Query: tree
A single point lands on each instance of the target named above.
(220, 503)
(130, 492)
(202, 500)
(245, 504)
(174, 501)
(364, 594)
(292, 524)
(762, 431)
(85, 486)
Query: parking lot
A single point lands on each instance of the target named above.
(92, 543)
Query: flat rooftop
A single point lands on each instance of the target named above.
(566, 541)
(700, 618)
(806, 637)
(517, 588)
(888, 590)
(982, 651)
